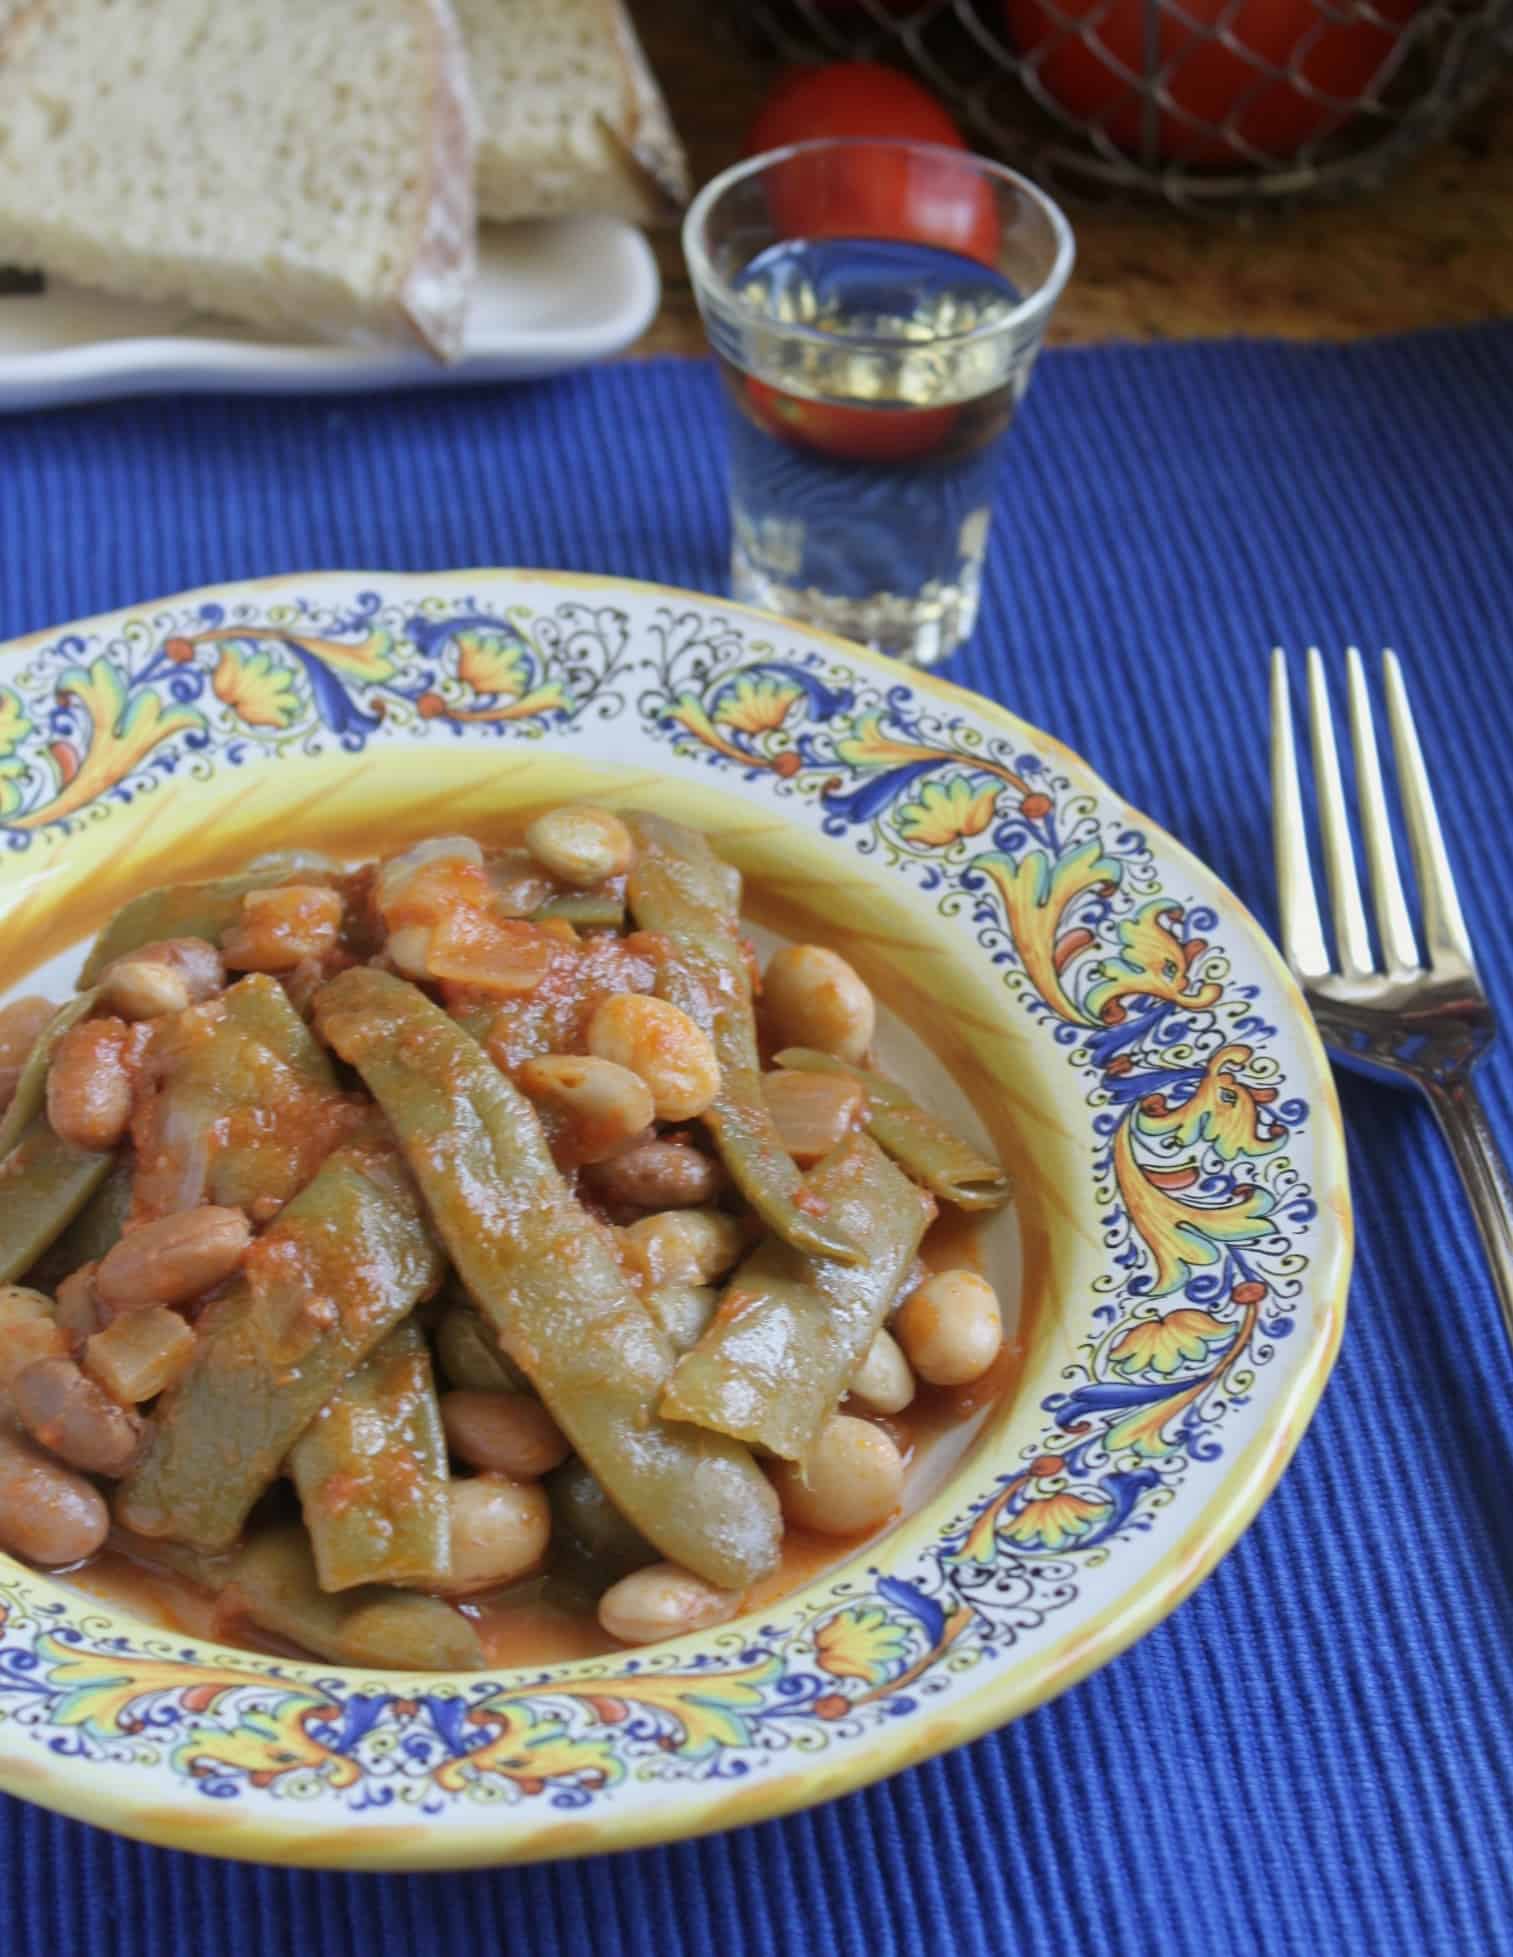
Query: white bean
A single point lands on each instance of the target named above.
(510, 1433)
(604, 1105)
(48, 1513)
(882, 1383)
(950, 1328)
(89, 1084)
(78, 1309)
(18, 1303)
(72, 1416)
(661, 1044)
(144, 988)
(658, 1175)
(25, 1340)
(393, 876)
(172, 1259)
(812, 997)
(580, 845)
(278, 929)
(500, 1529)
(683, 1246)
(198, 964)
(852, 1480)
(663, 1601)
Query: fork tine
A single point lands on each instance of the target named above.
(1302, 927)
(1393, 923)
(1444, 925)
(1351, 938)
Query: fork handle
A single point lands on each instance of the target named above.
(1463, 1121)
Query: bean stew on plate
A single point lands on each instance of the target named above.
(397, 1255)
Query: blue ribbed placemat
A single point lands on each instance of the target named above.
(1315, 1754)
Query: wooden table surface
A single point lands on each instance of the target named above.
(1434, 248)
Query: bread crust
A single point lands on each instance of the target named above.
(648, 142)
(436, 287)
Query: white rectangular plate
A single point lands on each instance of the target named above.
(550, 296)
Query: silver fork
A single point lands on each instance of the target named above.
(1416, 1021)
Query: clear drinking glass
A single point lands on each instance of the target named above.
(875, 308)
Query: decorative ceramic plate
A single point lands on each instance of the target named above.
(549, 296)
(1128, 1039)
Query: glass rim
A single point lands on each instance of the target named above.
(1035, 305)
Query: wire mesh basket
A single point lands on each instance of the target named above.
(1209, 104)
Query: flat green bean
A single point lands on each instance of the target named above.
(548, 1279)
(345, 1261)
(683, 1311)
(211, 1573)
(31, 1087)
(586, 907)
(95, 1229)
(477, 1021)
(259, 1007)
(273, 1583)
(681, 890)
(245, 1104)
(371, 1470)
(790, 1330)
(933, 1153)
(44, 1183)
(198, 910)
(589, 1533)
(470, 1355)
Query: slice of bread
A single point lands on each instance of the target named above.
(305, 164)
(570, 115)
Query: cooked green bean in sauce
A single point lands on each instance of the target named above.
(397, 1256)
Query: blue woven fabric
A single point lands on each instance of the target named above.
(1316, 1753)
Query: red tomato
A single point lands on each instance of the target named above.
(931, 200)
(1207, 78)
(849, 98)
(854, 434)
